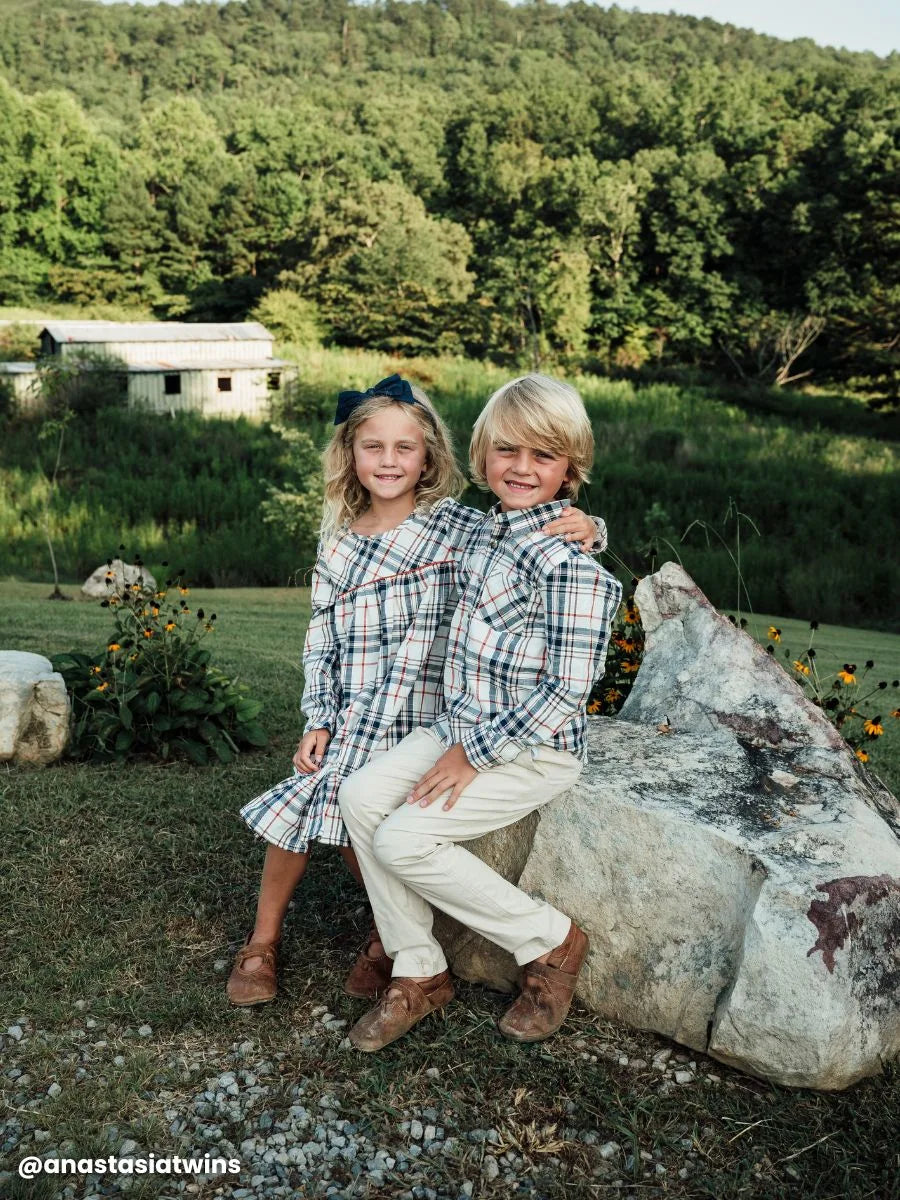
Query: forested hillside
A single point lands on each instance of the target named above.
(534, 183)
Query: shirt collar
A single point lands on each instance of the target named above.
(526, 520)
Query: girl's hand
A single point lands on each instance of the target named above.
(311, 751)
(574, 526)
(452, 772)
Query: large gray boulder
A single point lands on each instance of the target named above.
(737, 870)
(34, 709)
(114, 579)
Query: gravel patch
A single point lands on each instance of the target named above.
(293, 1135)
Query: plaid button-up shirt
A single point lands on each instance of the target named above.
(527, 642)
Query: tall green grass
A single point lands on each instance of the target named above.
(823, 497)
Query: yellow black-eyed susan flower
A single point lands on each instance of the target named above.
(96, 670)
(800, 666)
(145, 612)
(101, 687)
(148, 633)
(185, 612)
(184, 591)
(846, 675)
(873, 727)
(109, 575)
(629, 666)
(594, 707)
(895, 713)
(774, 633)
(113, 647)
(160, 595)
(862, 755)
(170, 625)
(208, 626)
(632, 614)
(611, 695)
(132, 657)
(135, 587)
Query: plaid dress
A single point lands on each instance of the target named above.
(373, 661)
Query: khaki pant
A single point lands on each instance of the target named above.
(410, 860)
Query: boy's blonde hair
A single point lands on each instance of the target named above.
(540, 412)
(345, 496)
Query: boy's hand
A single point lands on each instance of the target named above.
(452, 772)
(574, 526)
(309, 754)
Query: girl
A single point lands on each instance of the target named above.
(383, 590)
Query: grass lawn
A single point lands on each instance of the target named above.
(125, 888)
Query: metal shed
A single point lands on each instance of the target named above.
(216, 368)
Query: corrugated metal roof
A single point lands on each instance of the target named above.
(157, 331)
(231, 364)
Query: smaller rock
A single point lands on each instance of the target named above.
(684, 1076)
(416, 1130)
(490, 1168)
(54, 1091)
(784, 778)
(609, 1150)
(15, 1032)
(145, 1031)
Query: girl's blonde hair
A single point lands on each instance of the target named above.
(345, 496)
(536, 411)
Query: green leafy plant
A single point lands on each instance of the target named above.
(152, 688)
(841, 698)
(623, 661)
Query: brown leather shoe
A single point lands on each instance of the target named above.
(547, 990)
(369, 976)
(401, 1006)
(259, 985)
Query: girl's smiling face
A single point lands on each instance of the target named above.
(524, 476)
(389, 455)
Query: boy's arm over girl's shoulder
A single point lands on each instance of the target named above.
(579, 600)
(321, 701)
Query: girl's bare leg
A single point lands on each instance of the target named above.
(282, 871)
(348, 854)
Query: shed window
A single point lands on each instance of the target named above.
(173, 385)
(224, 383)
(274, 381)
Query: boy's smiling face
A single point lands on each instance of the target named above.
(524, 476)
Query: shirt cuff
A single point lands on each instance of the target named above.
(601, 538)
(482, 751)
(319, 719)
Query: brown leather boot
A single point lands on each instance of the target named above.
(369, 976)
(401, 1006)
(547, 990)
(258, 986)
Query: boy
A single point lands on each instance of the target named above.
(527, 642)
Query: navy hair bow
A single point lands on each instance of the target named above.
(394, 386)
